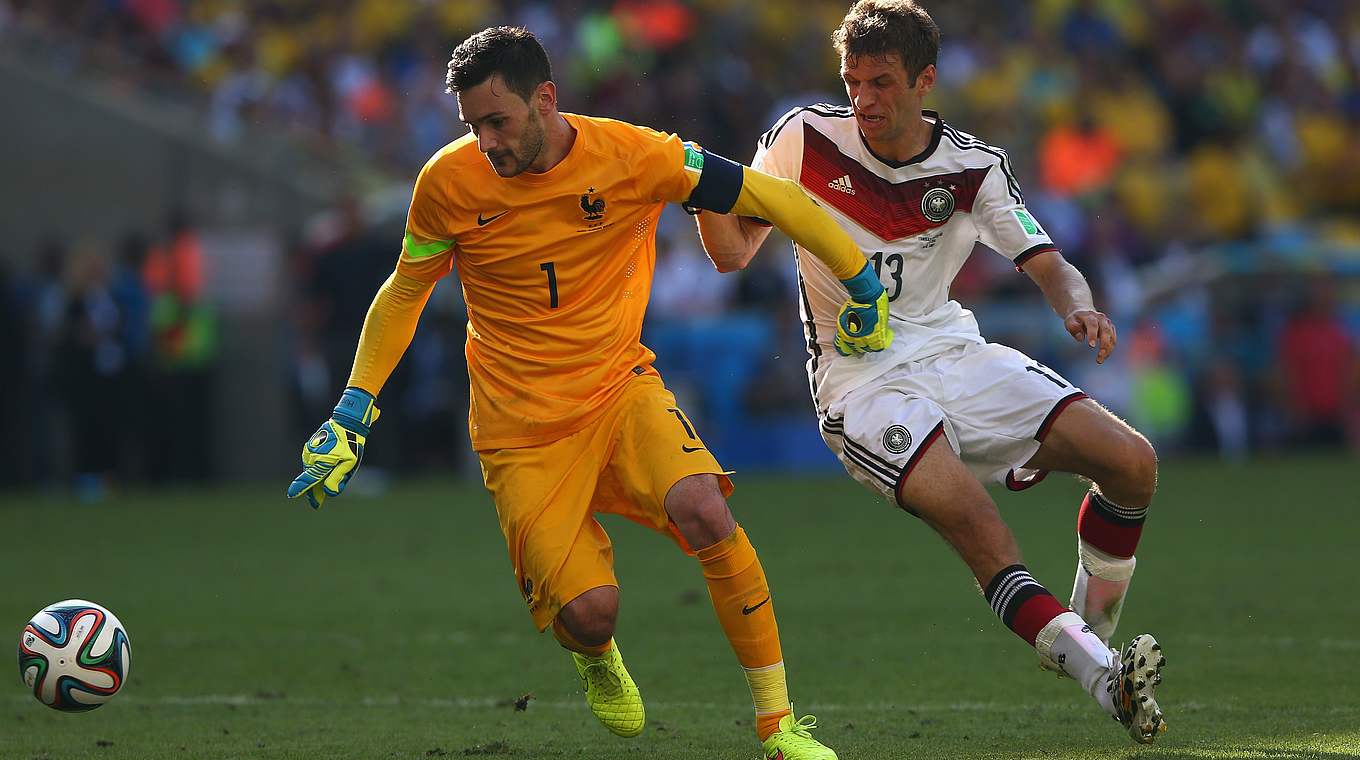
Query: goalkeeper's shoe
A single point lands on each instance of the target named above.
(793, 742)
(862, 325)
(610, 691)
(333, 453)
(1133, 685)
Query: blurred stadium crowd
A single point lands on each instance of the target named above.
(1198, 159)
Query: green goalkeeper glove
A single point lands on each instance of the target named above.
(333, 453)
(862, 325)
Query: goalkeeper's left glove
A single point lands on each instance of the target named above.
(862, 325)
(333, 453)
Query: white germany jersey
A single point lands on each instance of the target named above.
(917, 221)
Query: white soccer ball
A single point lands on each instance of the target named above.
(74, 655)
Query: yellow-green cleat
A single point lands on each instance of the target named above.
(793, 742)
(610, 691)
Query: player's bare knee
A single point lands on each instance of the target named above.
(1130, 475)
(699, 511)
(590, 617)
(1145, 469)
(1138, 470)
(707, 522)
(592, 631)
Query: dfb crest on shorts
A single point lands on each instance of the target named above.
(937, 204)
(896, 439)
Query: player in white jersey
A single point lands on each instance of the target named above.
(941, 412)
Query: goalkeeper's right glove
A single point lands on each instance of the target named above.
(333, 453)
(862, 324)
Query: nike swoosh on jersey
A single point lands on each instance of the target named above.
(691, 449)
(482, 222)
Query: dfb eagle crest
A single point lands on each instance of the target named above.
(937, 204)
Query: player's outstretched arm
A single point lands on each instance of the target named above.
(731, 188)
(1070, 296)
(333, 453)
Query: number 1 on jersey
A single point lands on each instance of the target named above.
(689, 430)
(552, 283)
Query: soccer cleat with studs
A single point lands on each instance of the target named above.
(610, 692)
(1133, 685)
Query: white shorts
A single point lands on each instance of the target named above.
(992, 403)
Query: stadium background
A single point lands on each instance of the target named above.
(198, 200)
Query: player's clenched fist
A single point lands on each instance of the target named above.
(862, 325)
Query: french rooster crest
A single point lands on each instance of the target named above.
(594, 209)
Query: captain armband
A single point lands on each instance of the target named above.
(720, 181)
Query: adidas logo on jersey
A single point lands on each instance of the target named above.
(842, 184)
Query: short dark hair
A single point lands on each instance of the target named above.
(889, 27)
(511, 51)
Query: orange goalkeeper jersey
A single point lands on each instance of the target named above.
(556, 271)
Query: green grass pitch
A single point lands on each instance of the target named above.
(391, 627)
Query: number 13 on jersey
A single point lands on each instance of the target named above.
(894, 262)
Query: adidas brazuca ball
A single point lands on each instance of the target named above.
(74, 655)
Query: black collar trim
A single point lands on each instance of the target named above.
(935, 133)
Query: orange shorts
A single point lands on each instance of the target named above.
(623, 463)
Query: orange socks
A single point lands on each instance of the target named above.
(741, 597)
(565, 638)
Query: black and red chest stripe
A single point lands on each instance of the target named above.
(890, 210)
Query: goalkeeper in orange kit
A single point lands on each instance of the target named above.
(550, 220)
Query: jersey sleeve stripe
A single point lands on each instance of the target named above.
(963, 143)
(821, 109)
(830, 111)
(767, 139)
(418, 250)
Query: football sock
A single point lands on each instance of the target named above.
(1053, 630)
(1021, 603)
(1101, 585)
(1069, 641)
(1109, 527)
(741, 597)
(1107, 536)
(569, 642)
